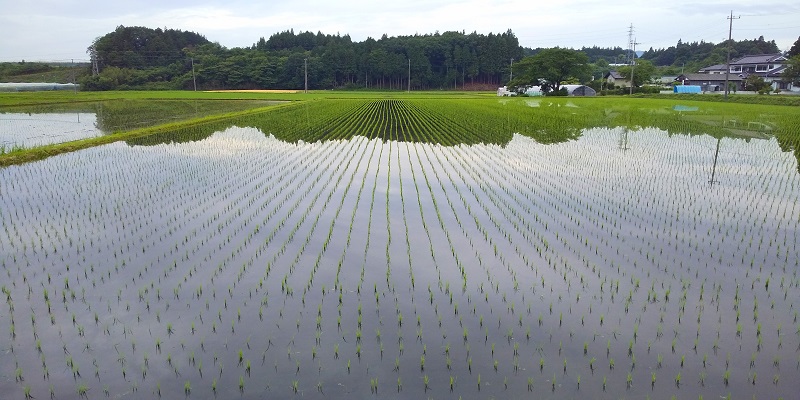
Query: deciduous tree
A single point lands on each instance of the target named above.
(550, 67)
(643, 71)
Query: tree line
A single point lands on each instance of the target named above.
(144, 58)
(138, 57)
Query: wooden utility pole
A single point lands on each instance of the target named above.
(194, 81)
(74, 84)
(305, 65)
(409, 75)
(728, 62)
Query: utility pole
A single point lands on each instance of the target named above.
(305, 65)
(728, 62)
(633, 62)
(409, 75)
(511, 75)
(74, 84)
(630, 44)
(194, 81)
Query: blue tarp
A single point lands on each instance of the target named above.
(686, 89)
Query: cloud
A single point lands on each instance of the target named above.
(47, 29)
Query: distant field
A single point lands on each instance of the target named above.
(60, 75)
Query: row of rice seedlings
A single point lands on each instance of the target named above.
(513, 356)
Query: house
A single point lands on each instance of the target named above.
(616, 79)
(711, 82)
(714, 69)
(768, 66)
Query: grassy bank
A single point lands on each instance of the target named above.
(775, 100)
(30, 98)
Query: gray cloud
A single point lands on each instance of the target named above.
(50, 29)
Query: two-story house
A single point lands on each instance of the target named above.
(768, 66)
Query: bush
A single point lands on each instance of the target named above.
(560, 92)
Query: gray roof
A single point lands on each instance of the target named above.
(716, 67)
(747, 60)
(778, 71)
(708, 77)
(615, 75)
(758, 59)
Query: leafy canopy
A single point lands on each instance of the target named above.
(550, 67)
(642, 72)
(795, 50)
(793, 70)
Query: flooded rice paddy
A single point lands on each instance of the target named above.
(627, 262)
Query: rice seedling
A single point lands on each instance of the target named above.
(489, 216)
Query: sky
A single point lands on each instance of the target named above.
(61, 30)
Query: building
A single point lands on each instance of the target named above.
(768, 66)
(714, 69)
(711, 82)
(616, 79)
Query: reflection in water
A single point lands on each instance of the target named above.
(457, 122)
(711, 182)
(38, 129)
(37, 125)
(164, 246)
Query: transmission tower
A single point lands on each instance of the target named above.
(631, 41)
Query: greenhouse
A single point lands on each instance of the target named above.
(579, 90)
(36, 87)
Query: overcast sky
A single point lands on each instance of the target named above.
(63, 29)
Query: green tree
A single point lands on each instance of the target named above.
(793, 71)
(795, 50)
(643, 71)
(550, 67)
(755, 83)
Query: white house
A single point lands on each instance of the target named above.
(768, 66)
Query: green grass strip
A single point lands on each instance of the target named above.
(39, 153)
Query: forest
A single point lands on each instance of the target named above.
(137, 57)
(144, 58)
